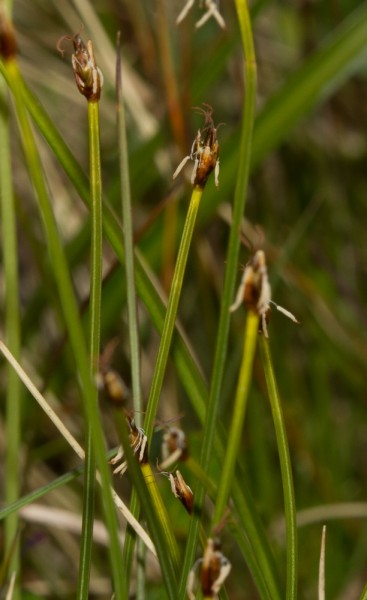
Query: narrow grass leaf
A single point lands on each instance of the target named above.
(286, 471)
(13, 335)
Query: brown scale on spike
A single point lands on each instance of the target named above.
(204, 151)
(88, 76)
(255, 292)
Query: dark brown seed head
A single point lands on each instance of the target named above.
(8, 46)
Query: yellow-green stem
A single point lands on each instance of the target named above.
(94, 344)
(238, 415)
(286, 470)
(161, 513)
(96, 235)
(170, 318)
(13, 340)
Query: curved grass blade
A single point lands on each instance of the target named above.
(286, 471)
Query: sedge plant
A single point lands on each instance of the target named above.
(203, 52)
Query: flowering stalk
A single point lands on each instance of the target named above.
(88, 79)
(204, 153)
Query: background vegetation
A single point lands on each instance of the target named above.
(306, 207)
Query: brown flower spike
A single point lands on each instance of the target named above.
(215, 568)
(139, 445)
(88, 76)
(8, 46)
(255, 291)
(204, 151)
(181, 490)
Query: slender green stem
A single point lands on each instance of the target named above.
(96, 235)
(13, 339)
(169, 322)
(238, 415)
(161, 513)
(71, 314)
(86, 540)
(94, 344)
(286, 470)
(243, 171)
(129, 252)
(161, 362)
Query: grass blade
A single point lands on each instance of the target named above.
(286, 470)
(13, 338)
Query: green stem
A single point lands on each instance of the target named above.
(13, 340)
(163, 352)
(243, 171)
(94, 344)
(129, 251)
(86, 541)
(96, 235)
(71, 315)
(286, 470)
(238, 416)
(170, 318)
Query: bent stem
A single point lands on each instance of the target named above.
(170, 318)
(286, 470)
(238, 416)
